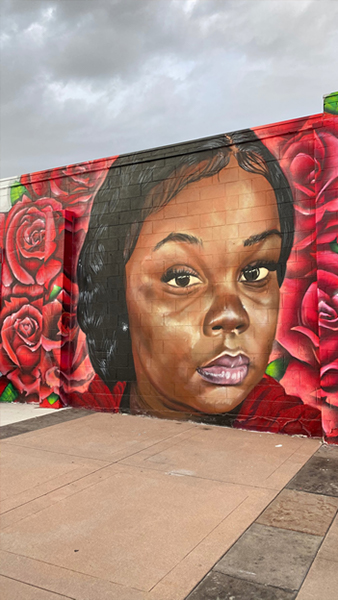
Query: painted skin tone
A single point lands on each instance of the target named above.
(203, 296)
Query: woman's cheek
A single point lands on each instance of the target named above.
(157, 329)
(261, 301)
(264, 318)
(262, 309)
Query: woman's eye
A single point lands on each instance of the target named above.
(253, 274)
(181, 280)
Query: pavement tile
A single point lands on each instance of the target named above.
(59, 492)
(183, 578)
(7, 431)
(45, 487)
(102, 436)
(329, 548)
(21, 470)
(25, 470)
(132, 528)
(16, 590)
(321, 582)
(300, 511)
(326, 451)
(61, 581)
(41, 421)
(217, 586)
(271, 556)
(240, 457)
(318, 476)
(119, 507)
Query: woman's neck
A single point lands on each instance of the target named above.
(153, 406)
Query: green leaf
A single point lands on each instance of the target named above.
(277, 368)
(52, 398)
(17, 191)
(331, 104)
(55, 292)
(334, 246)
(9, 394)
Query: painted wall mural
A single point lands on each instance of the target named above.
(195, 281)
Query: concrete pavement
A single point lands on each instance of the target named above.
(102, 506)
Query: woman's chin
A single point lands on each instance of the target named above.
(217, 401)
(195, 398)
(218, 408)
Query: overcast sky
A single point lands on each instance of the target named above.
(84, 79)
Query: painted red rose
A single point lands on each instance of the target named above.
(328, 302)
(316, 176)
(303, 258)
(326, 154)
(68, 368)
(309, 159)
(298, 320)
(44, 233)
(32, 337)
(21, 336)
(20, 349)
(36, 184)
(74, 186)
(328, 332)
(330, 423)
(59, 327)
(300, 166)
(303, 380)
(34, 242)
(65, 365)
(327, 260)
(76, 180)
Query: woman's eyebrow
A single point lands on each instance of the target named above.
(259, 237)
(179, 237)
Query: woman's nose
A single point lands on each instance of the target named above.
(226, 315)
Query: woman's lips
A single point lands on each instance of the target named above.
(226, 370)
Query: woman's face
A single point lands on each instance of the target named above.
(202, 294)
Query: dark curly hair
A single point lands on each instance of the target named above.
(136, 186)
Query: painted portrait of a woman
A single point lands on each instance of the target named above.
(179, 279)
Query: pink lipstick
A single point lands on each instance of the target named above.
(226, 370)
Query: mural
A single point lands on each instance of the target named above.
(192, 282)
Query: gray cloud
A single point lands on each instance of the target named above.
(83, 79)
